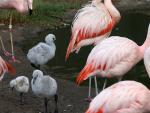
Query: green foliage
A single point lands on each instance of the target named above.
(45, 12)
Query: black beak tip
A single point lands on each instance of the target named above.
(30, 12)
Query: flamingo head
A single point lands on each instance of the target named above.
(13, 83)
(50, 38)
(37, 73)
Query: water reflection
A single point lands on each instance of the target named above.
(133, 26)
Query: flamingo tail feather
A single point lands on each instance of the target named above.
(11, 69)
(84, 74)
(70, 48)
(91, 111)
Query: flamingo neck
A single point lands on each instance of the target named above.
(115, 14)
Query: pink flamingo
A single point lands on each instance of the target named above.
(20, 6)
(113, 57)
(122, 97)
(92, 23)
(5, 67)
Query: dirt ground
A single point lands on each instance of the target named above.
(71, 97)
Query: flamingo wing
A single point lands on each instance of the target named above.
(38, 54)
(6, 67)
(45, 48)
(110, 53)
(90, 22)
(36, 50)
(122, 96)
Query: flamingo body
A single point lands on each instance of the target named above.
(86, 17)
(92, 23)
(44, 86)
(19, 5)
(42, 52)
(113, 57)
(21, 84)
(122, 97)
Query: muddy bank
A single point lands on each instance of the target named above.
(71, 97)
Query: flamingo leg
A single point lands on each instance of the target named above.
(89, 95)
(96, 88)
(36, 66)
(105, 83)
(21, 98)
(10, 23)
(45, 104)
(1, 77)
(88, 99)
(12, 49)
(6, 53)
(56, 105)
(11, 39)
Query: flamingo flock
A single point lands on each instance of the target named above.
(93, 23)
(111, 56)
(114, 60)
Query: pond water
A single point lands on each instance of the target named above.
(133, 26)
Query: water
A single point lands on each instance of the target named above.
(133, 26)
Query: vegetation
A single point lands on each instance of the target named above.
(46, 12)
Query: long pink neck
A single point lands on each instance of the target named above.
(115, 14)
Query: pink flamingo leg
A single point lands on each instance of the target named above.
(13, 58)
(89, 99)
(105, 83)
(6, 53)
